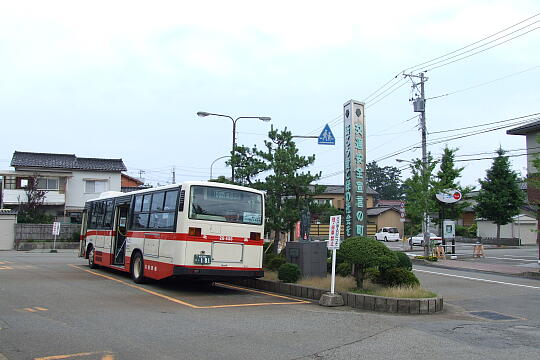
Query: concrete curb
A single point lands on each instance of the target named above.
(525, 274)
(357, 301)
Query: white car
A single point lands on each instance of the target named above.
(387, 234)
(419, 239)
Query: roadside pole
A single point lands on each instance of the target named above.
(55, 232)
(331, 298)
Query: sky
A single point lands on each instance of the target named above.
(125, 79)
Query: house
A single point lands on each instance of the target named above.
(67, 179)
(386, 216)
(128, 183)
(333, 195)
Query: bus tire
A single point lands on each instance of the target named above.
(137, 268)
(91, 258)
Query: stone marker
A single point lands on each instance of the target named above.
(329, 299)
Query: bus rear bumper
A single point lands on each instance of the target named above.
(215, 274)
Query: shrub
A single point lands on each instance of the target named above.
(432, 258)
(276, 263)
(472, 230)
(397, 277)
(289, 273)
(403, 260)
(365, 252)
(344, 269)
(75, 236)
(373, 274)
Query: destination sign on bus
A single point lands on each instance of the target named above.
(219, 194)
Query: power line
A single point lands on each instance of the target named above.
(471, 44)
(445, 57)
(481, 51)
(485, 124)
(484, 83)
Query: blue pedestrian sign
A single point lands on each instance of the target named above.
(326, 137)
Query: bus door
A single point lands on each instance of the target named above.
(119, 248)
(82, 237)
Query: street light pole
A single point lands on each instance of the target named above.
(262, 118)
(213, 162)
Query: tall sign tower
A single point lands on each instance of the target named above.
(355, 169)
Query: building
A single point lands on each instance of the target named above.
(333, 195)
(67, 179)
(128, 183)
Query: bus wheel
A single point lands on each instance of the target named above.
(137, 268)
(91, 261)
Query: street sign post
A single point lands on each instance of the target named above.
(55, 232)
(333, 244)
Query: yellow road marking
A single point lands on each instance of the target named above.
(260, 292)
(30, 310)
(6, 268)
(172, 299)
(108, 356)
(40, 308)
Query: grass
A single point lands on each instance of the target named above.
(349, 284)
(410, 292)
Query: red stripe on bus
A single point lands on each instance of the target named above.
(186, 237)
(177, 237)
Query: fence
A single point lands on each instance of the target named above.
(490, 241)
(321, 230)
(43, 232)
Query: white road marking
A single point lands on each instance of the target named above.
(478, 279)
(521, 256)
(505, 258)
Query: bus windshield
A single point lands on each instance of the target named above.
(225, 205)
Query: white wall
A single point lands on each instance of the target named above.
(14, 197)
(532, 148)
(75, 187)
(525, 229)
(7, 231)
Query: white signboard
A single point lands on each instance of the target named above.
(334, 232)
(56, 228)
(449, 197)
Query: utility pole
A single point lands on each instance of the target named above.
(420, 106)
(174, 175)
(141, 172)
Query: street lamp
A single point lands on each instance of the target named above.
(262, 118)
(213, 162)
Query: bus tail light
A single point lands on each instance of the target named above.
(256, 236)
(193, 231)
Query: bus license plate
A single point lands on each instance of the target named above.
(202, 259)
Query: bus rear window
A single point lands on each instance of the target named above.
(225, 205)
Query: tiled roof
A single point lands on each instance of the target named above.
(525, 129)
(65, 161)
(379, 210)
(338, 189)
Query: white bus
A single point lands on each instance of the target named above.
(200, 230)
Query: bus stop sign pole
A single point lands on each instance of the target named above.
(333, 299)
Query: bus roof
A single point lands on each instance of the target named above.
(115, 194)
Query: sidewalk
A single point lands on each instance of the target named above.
(532, 272)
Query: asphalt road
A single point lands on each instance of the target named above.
(53, 307)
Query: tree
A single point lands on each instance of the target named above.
(248, 165)
(288, 189)
(500, 196)
(365, 253)
(385, 180)
(446, 179)
(420, 193)
(31, 211)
